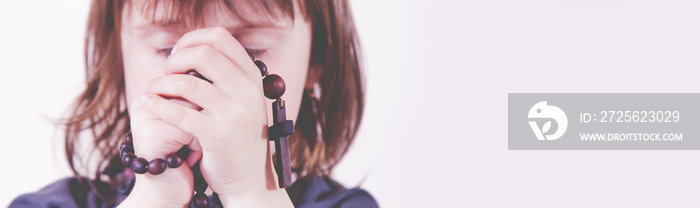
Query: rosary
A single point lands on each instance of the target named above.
(273, 87)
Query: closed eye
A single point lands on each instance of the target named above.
(165, 51)
(253, 52)
(256, 52)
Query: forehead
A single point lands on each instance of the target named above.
(197, 14)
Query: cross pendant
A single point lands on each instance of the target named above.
(279, 132)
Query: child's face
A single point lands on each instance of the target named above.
(285, 48)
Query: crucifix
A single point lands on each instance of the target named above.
(278, 133)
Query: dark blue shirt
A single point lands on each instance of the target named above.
(317, 192)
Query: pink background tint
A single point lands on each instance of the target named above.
(438, 74)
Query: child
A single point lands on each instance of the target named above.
(138, 55)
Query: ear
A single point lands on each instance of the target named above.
(314, 74)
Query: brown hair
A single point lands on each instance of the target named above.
(324, 130)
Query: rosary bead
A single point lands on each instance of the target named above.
(127, 159)
(156, 166)
(273, 86)
(126, 144)
(139, 165)
(200, 200)
(128, 137)
(261, 66)
(173, 160)
(126, 150)
(200, 185)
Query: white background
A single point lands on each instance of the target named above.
(438, 72)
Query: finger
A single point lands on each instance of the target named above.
(211, 64)
(154, 138)
(195, 153)
(221, 40)
(184, 102)
(184, 118)
(192, 89)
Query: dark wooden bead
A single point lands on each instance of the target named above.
(261, 66)
(173, 160)
(126, 144)
(127, 159)
(200, 200)
(200, 185)
(273, 86)
(139, 165)
(128, 137)
(156, 166)
(126, 150)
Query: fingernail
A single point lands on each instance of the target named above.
(144, 98)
